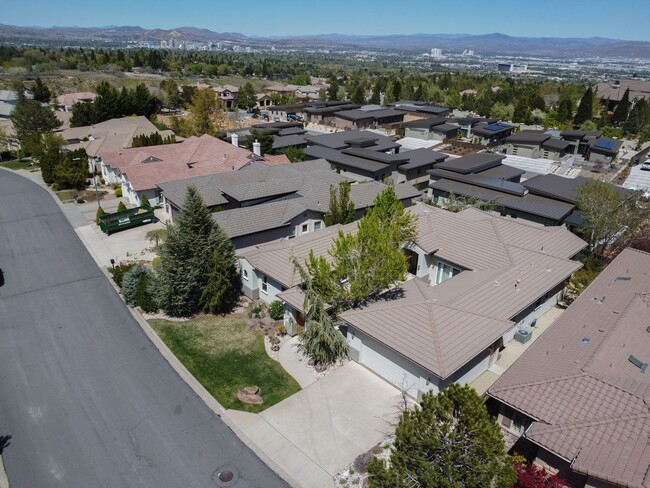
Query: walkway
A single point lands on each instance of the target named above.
(512, 351)
(288, 356)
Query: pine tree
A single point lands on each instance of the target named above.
(584, 109)
(358, 95)
(31, 121)
(448, 441)
(50, 155)
(100, 212)
(186, 257)
(144, 200)
(221, 293)
(40, 91)
(622, 109)
(333, 91)
(121, 207)
(522, 112)
(107, 104)
(83, 114)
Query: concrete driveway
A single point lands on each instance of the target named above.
(317, 432)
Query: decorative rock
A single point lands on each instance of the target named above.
(320, 367)
(249, 395)
(311, 361)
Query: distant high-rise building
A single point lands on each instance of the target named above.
(436, 53)
(512, 68)
(468, 52)
(163, 44)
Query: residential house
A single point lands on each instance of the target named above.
(577, 401)
(281, 113)
(579, 140)
(228, 95)
(537, 144)
(65, 102)
(141, 169)
(416, 110)
(8, 100)
(366, 117)
(611, 92)
(108, 136)
(364, 155)
(479, 279)
(437, 129)
(324, 113)
(491, 133)
(263, 100)
(603, 150)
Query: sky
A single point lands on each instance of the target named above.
(622, 19)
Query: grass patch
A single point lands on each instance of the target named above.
(64, 195)
(17, 164)
(224, 356)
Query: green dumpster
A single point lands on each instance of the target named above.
(132, 217)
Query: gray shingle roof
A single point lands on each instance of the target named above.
(250, 220)
(590, 402)
(474, 163)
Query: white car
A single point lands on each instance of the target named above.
(646, 165)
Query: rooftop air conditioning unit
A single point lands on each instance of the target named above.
(523, 336)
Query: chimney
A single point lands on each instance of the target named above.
(234, 139)
(257, 148)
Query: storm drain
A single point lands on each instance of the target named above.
(225, 476)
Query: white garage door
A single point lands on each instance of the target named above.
(387, 369)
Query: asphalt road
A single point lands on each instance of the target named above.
(86, 398)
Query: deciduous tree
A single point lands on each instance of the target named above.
(294, 154)
(448, 441)
(246, 96)
(206, 113)
(341, 208)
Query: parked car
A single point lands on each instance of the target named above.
(646, 165)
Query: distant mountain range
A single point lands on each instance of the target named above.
(481, 44)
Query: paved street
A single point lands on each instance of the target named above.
(87, 399)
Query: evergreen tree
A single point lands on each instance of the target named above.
(294, 154)
(185, 257)
(71, 171)
(40, 91)
(222, 290)
(121, 207)
(522, 112)
(375, 99)
(144, 201)
(100, 212)
(622, 109)
(50, 155)
(137, 288)
(333, 91)
(31, 120)
(565, 110)
(107, 103)
(358, 95)
(448, 441)
(126, 103)
(264, 138)
(83, 114)
(341, 208)
(246, 96)
(584, 109)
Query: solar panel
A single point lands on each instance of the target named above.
(605, 144)
(498, 126)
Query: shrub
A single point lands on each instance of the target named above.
(118, 272)
(118, 191)
(144, 200)
(100, 212)
(258, 311)
(276, 310)
(137, 285)
(121, 207)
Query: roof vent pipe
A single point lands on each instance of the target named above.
(257, 148)
(234, 139)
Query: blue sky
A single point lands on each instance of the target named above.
(626, 19)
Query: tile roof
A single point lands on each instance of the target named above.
(70, 99)
(508, 266)
(146, 167)
(438, 337)
(590, 403)
(274, 259)
(258, 218)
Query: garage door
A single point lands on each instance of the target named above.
(381, 364)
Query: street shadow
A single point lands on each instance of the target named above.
(2, 277)
(5, 441)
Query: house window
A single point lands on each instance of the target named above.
(292, 232)
(245, 274)
(265, 285)
(305, 228)
(317, 225)
(519, 423)
(514, 151)
(545, 154)
(444, 272)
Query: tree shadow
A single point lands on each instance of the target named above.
(5, 441)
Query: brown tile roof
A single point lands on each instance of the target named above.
(70, 99)
(431, 334)
(590, 403)
(506, 272)
(275, 259)
(145, 167)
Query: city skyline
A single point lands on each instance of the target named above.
(550, 18)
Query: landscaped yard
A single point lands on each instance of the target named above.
(225, 356)
(17, 164)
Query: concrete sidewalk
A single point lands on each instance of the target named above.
(288, 357)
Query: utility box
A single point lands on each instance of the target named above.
(132, 217)
(523, 336)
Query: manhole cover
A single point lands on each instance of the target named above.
(225, 476)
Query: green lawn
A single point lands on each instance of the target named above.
(64, 195)
(224, 356)
(16, 164)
